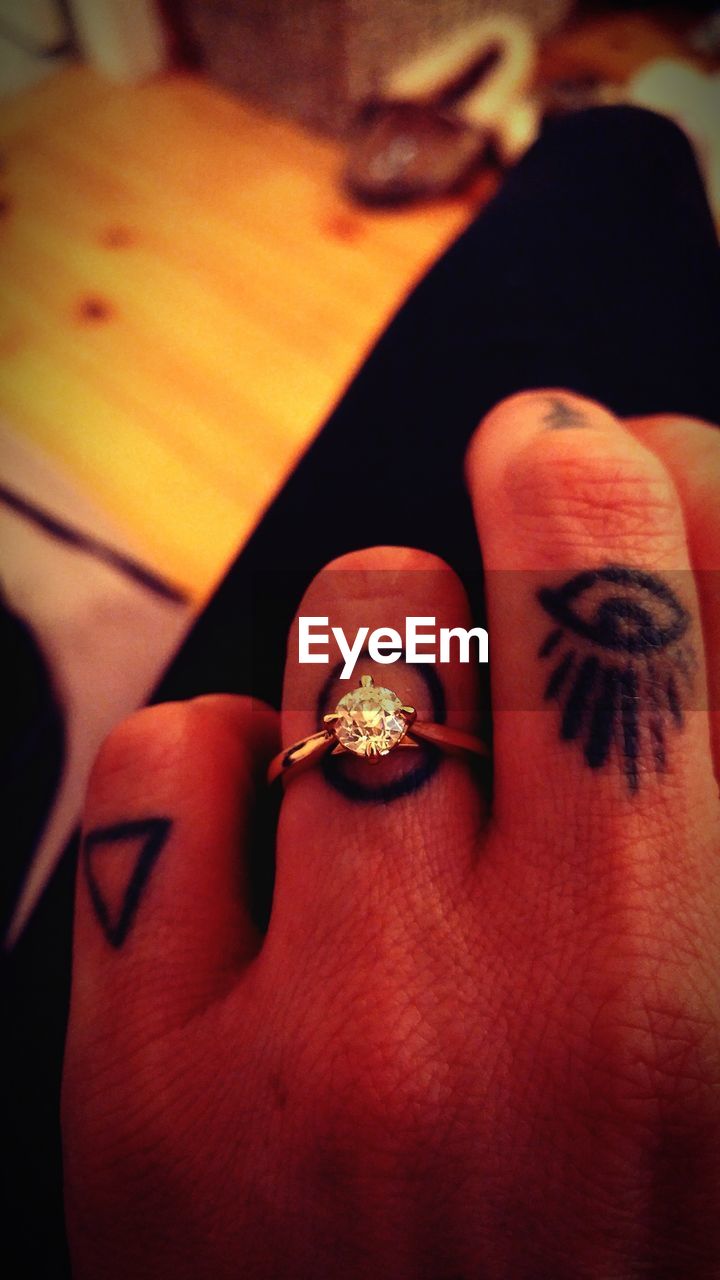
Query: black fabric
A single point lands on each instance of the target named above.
(595, 268)
(32, 751)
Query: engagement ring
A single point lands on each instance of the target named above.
(370, 722)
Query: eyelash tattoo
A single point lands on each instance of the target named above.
(622, 664)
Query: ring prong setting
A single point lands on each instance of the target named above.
(370, 721)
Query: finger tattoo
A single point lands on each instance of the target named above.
(561, 415)
(116, 899)
(622, 665)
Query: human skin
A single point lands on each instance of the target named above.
(480, 1039)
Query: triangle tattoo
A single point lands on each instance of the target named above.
(116, 911)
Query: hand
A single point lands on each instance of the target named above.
(477, 1042)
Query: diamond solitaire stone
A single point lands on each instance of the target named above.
(369, 721)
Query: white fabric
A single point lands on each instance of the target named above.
(105, 638)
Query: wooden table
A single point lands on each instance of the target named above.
(183, 294)
(184, 290)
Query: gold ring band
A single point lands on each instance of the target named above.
(371, 722)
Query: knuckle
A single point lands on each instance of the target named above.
(151, 739)
(567, 497)
(654, 1053)
(233, 720)
(673, 1077)
(116, 1133)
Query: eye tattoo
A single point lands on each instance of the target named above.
(621, 664)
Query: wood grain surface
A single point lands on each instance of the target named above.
(184, 290)
(183, 294)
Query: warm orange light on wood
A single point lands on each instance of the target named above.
(184, 294)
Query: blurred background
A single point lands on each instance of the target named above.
(208, 210)
(186, 285)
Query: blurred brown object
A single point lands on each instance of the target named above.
(317, 60)
(445, 112)
(404, 152)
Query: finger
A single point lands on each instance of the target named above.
(690, 450)
(353, 834)
(598, 666)
(162, 921)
